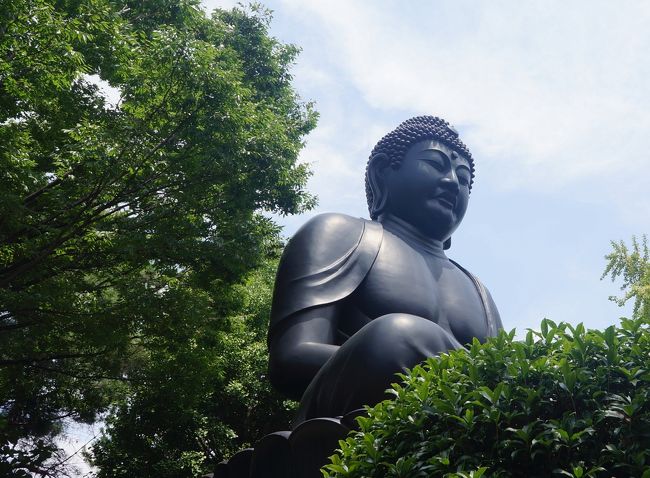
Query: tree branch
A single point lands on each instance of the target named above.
(25, 361)
(84, 377)
(30, 197)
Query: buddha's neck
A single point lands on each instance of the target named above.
(410, 234)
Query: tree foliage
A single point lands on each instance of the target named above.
(196, 408)
(125, 221)
(633, 266)
(566, 401)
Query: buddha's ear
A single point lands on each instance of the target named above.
(377, 167)
(447, 244)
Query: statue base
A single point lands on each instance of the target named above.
(290, 454)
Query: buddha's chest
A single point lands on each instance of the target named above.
(405, 280)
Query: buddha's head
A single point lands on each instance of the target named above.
(422, 173)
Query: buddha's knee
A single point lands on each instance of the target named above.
(406, 338)
(365, 365)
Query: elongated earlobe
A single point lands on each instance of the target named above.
(376, 167)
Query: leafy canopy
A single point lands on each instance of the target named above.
(126, 218)
(193, 409)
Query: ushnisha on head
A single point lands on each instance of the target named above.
(394, 146)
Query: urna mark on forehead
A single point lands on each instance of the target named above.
(432, 148)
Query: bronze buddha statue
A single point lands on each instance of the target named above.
(358, 300)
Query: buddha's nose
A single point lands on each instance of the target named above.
(450, 180)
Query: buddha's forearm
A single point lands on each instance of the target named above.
(291, 368)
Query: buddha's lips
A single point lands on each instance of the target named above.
(447, 199)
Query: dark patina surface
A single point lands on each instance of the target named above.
(357, 301)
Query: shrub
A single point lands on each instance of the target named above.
(564, 402)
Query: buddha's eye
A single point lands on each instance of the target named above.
(463, 178)
(435, 163)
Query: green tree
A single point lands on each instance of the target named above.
(633, 266)
(124, 225)
(196, 406)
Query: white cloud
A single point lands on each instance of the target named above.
(111, 95)
(77, 438)
(558, 90)
(210, 5)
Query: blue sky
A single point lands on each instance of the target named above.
(551, 97)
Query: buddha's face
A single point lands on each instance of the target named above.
(430, 189)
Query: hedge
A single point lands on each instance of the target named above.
(565, 401)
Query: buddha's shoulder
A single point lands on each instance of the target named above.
(329, 236)
(324, 262)
(330, 225)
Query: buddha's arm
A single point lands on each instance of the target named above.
(300, 347)
(494, 311)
